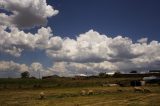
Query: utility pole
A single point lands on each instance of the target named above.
(39, 74)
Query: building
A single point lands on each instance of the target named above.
(154, 71)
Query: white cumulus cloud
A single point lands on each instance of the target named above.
(13, 70)
(94, 47)
(94, 52)
(26, 13)
(15, 41)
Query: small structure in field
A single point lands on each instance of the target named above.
(80, 77)
(152, 79)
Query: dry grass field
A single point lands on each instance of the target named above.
(100, 96)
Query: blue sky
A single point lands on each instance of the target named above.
(132, 18)
(115, 19)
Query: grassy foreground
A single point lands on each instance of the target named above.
(103, 96)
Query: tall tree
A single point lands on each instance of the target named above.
(25, 74)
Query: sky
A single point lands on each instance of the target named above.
(72, 37)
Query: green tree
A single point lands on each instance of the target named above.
(102, 75)
(133, 72)
(117, 74)
(25, 74)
